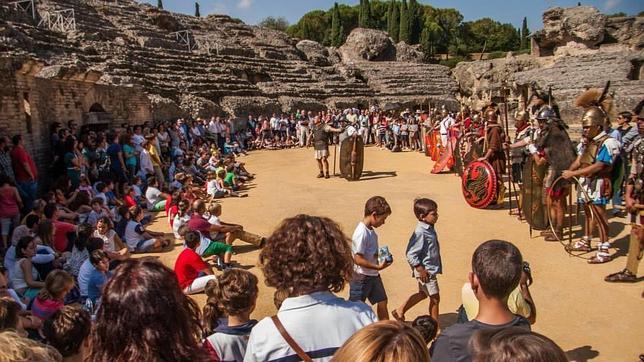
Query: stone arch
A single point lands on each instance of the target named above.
(96, 108)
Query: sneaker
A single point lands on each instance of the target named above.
(623, 276)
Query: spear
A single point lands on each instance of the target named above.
(507, 153)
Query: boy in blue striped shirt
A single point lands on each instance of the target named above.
(423, 255)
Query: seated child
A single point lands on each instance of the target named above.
(209, 249)
(129, 196)
(112, 243)
(52, 297)
(67, 331)
(229, 232)
(181, 218)
(139, 240)
(234, 296)
(193, 273)
(98, 276)
(98, 210)
(213, 187)
(221, 175)
(155, 198)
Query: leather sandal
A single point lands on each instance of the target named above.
(554, 237)
(624, 276)
(580, 245)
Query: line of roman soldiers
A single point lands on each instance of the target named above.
(542, 168)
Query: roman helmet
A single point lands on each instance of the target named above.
(444, 112)
(491, 114)
(521, 116)
(546, 113)
(597, 104)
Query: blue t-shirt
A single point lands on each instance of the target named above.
(95, 285)
(113, 151)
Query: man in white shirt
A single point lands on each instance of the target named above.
(445, 124)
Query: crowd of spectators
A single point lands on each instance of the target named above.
(71, 290)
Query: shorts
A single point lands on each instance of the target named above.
(217, 248)
(320, 154)
(430, 288)
(363, 287)
(145, 245)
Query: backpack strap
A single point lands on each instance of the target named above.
(291, 342)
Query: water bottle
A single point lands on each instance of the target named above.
(89, 306)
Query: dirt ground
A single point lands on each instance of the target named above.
(589, 318)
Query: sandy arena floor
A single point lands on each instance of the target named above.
(589, 318)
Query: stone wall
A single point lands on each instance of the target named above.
(31, 102)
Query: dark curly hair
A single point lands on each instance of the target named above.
(144, 316)
(67, 329)
(307, 254)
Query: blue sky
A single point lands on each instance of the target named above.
(506, 11)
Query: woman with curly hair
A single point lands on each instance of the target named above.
(144, 316)
(309, 258)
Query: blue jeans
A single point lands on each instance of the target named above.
(28, 190)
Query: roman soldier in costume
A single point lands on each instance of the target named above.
(493, 151)
(523, 137)
(634, 197)
(597, 155)
(320, 139)
(554, 150)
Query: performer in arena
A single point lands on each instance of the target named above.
(518, 150)
(597, 155)
(320, 139)
(494, 152)
(634, 197)
(552, 154)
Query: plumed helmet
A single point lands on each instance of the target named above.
(594, 116)
(444, 112)
(521, 116)
(597, 104)
(546, 113)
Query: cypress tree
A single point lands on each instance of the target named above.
(403, 34)
(368, 23)
(415, 26)
(361, 14)
(197, 13)
(395, 21)
(160, 4)
(390, 11)
(336, 27)
(524, 34)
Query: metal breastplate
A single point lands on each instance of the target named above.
(589, 156)
(320, 137)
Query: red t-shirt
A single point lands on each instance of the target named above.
(18, 158)
(198, 223)
(60, 236)
(129, 201)
(188, 266)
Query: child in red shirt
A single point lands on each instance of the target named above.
(192, 272)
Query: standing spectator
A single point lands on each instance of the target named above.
(496, 271)
(25, 170)
(171, 331)
(233, 295)
(73, 161)
(117, 163)
(155, 157)
(192, 272)
(5, 159)
(309, 258)
(366, 282)
(385, 341)
(424, 257)
(129, 154)
(10, 205)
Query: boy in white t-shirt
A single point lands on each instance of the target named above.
(366, 282)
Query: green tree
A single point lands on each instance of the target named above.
(524, 34)
(429, 38)
(160, 4)
(197, 13)
(390, 13)
(365, 16)
(337, 34)
(279, 23)
(403, 32)
(394, 30)
(415, 21)
(313, 26)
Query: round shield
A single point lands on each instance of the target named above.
(532, 195)
(479, 184)
(466, 151)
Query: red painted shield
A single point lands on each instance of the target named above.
(479, 184)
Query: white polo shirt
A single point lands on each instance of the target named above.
(319, 322)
